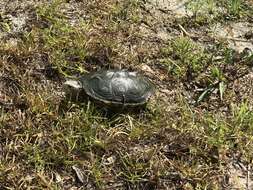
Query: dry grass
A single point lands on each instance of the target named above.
(198, 121)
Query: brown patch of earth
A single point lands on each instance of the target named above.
(243, 88)
(236, 34)
(160, 15)
(239, 176)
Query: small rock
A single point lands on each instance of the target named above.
(109, 161)
(58, 178)
(146, 68)
(248, 35)
(79, 174)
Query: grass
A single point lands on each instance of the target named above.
(49, 142)
(186, 56)
(208, 12)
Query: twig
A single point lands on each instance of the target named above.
(6, 105)
(185, 32)
(248, 177)
(44, 181)
(233, 39)
(164, 10)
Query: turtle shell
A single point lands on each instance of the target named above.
(117, 87)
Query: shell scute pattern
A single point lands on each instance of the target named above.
(118, 87)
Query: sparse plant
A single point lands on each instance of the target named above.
(183, 56)
(234, 7)
(202, 6)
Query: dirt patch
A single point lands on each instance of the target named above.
(175, 7)
(239, 176)
(243, 88)
(159, 15)
(235, 34)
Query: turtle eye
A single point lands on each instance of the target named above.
(134, 74)
(73, 84)
(109, 74)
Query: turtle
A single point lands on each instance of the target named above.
(115, 88)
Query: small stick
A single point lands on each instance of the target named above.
(44, 181)
(248, 177)
(185, 32)
(234, 39)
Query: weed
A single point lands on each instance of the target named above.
(208, 12)
(183, 56)
(234, 7)
(65, 44)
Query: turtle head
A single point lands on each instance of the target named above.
(73, 89)
(75, 84)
